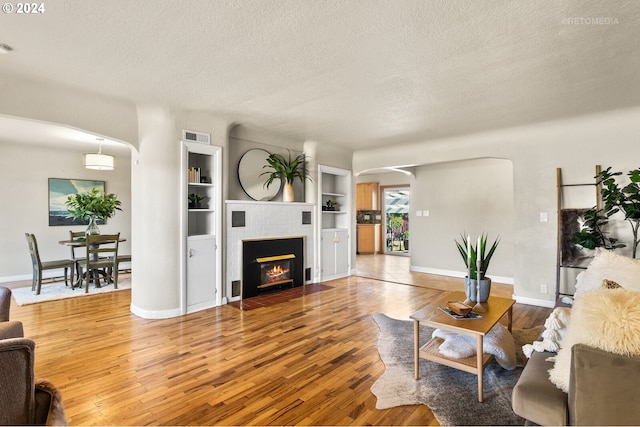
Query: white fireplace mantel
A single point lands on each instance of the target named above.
(267, 203)
(260, 220)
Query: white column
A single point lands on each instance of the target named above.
(155, 216)
(311, 195)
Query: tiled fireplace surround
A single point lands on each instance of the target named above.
(249, 220)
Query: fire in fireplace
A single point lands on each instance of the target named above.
(272, 264)
(276, 270)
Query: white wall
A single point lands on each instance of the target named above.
(469, 196)
(24, 173)
(576, 145)
(242, 139)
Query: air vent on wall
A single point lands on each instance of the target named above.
(203, 138)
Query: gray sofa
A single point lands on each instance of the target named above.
(602, 390)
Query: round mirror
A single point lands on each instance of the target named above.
(249, 170)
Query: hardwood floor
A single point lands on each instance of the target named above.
(307, 361)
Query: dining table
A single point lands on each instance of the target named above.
(80, 243)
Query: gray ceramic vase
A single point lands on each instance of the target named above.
(471, 292)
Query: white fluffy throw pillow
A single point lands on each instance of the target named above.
(611, 266)
(499, 342)
(608, 319)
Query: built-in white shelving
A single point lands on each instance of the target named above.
(202, 226)
(334, 226)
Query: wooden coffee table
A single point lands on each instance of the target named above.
(430, 315)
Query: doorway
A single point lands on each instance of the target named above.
(395, 213)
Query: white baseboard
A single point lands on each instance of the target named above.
(47, 274)
(155, 314)
(199, 307)
(461, 274)
(534, 301)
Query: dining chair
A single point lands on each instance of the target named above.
(121, 258)
(76, 235)
(39, 265)
(101, 254)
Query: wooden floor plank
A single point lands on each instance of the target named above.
(308, 361)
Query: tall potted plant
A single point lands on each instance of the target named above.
(625, 200)
(592, 235)
(477, 258)
(92, 205)
(286, 169)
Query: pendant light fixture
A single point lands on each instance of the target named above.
(99, 161)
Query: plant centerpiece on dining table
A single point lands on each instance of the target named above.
(476, 258)
(285, 169)
(92, 205)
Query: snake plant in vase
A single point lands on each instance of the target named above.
(476, 258)
(92, 205)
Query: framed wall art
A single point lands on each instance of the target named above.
(59, 189)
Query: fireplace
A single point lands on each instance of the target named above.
(276, 271)
(272, 264)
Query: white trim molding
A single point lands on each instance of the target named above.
(534, 301)
(155, 314)
(453, 273)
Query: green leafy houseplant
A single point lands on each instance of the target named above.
(196, 199)
(481, 252)
(592, 235)
(92, 205)
(622, 199)
(285, 169)
(394, 225)
(331, 205)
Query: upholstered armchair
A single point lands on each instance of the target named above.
(8, 328)
(23, 400)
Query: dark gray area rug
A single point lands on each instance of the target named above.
(452, 395)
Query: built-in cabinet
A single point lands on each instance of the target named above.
(334, 185)
(335, 254)
(368, 218)
(202, 227)
(368, 238)
(367, 196)
(201, 250)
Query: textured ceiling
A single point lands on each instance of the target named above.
(345, 72)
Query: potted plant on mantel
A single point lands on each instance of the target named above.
(286, 170)
(476, 259)
(92, 205)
